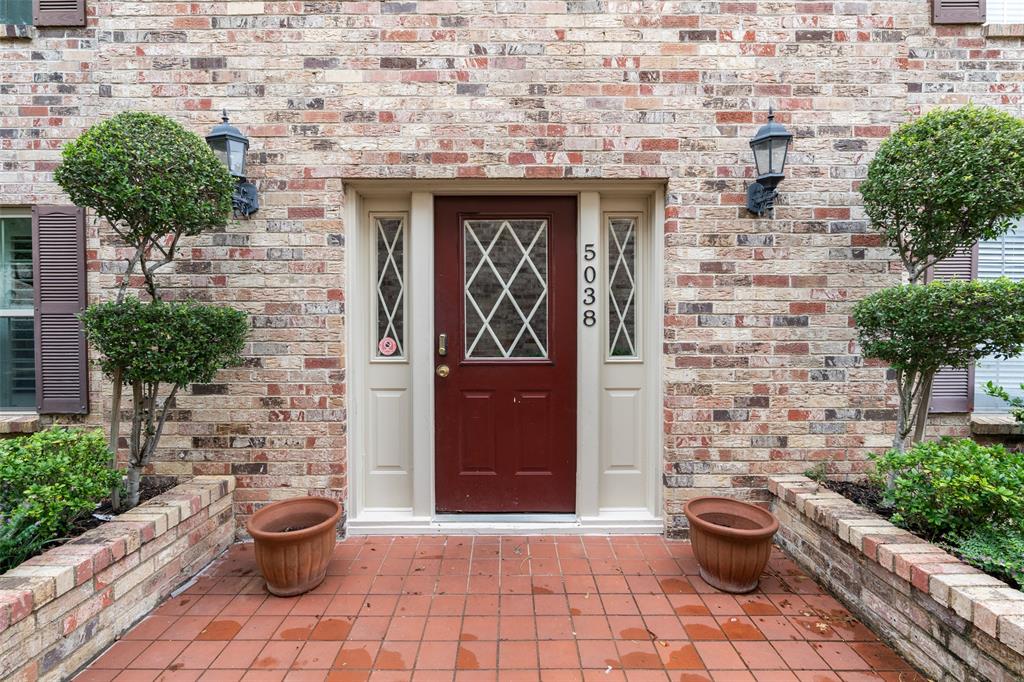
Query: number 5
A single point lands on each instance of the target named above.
(589, 253)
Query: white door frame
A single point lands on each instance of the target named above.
(415, 199)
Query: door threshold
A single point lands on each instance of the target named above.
(378, 523)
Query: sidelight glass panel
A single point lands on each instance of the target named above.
(506, 288)
(390, 286)
(622, 287)
(17, 350)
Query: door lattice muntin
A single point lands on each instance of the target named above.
(506, 288)
(622, 287)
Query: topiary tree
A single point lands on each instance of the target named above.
(944, 181)
(920, 328)
(936, 186)
(153, 182)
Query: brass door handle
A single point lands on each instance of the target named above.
(442, 344)
(442, 371)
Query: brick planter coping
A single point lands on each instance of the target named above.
(59, 609)
(992, 606)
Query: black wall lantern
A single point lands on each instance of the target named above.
(230, 146)
(770, 146)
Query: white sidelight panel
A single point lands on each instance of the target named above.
(380, 410)
(628, 452)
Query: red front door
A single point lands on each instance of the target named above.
(505, 307)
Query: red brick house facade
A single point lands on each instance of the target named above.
(756, 367)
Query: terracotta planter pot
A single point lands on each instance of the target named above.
(294, 540)
(732, 541)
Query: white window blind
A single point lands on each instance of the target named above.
(1003, 257)
(1004, 12)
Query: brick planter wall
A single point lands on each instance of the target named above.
(951, 620)
(61, 608)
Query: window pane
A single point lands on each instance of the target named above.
(15, 263)
(1003, 257)
(15, 11)
(622, 287)
(390, 287)
(17, 363)
(506, 288)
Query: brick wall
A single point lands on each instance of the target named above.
(950, 620)
(761, 376)
(61, 608)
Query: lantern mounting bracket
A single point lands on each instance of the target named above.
(760, 199)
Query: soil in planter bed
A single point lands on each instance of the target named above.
(863, 493)
(148, 489)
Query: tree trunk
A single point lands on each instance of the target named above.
(924, 402)
(134, 477)
(115, 434)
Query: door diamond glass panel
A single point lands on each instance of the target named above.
(506, 288)
(390, 287)
(622, 287)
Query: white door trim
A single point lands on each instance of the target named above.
(418, 515)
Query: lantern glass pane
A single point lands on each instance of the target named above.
(236, 158)
(220, 149)
(778, 156)
(762, 157)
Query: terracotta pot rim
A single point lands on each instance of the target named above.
(752, 534)
(259, 534)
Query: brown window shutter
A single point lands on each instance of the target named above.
(58, 12)
(58, 262)
(953, 389)
(958, 11)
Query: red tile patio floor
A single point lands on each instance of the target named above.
(484, 609)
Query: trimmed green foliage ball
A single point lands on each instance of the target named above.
(946, 180)
(921, 328)
(176, 343)
(147, 176)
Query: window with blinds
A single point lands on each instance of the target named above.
(1003, 257)
(17, 335)
(1004, 12)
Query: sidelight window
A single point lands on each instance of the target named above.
(390, 330)
(622, 286)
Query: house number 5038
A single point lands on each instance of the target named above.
(589, 278)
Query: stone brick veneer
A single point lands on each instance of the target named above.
(61, 608)
(760, 373)
(951, 620)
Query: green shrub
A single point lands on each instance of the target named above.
(947, 487)
(52, 478)
(997, 550)
(21, 538)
